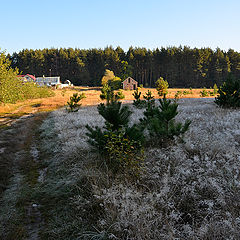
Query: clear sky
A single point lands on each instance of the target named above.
(37, 24)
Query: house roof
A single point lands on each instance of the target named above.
(31, 76)
(131, 79)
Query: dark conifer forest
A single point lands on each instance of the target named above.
(180, 66)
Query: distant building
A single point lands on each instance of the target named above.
(48, 81)
(130, 84)
(67, 83)
(27, 78)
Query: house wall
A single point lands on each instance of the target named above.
(130, 84)
(48, 81)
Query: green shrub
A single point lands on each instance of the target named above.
(10, 85)
(124, 154)
(115, 114)
(73, 103)
(229, 93)
(149, 98)
(211, 93)
(204, 93)
(120, 144)
(137, 102)
(107, 93)
(31, 90)
(120, 95)
(162, 86)
(115, 83)
(215, 89)
(160, 121)
(13, 89)
(178, 95)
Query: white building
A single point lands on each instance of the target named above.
(48, 81)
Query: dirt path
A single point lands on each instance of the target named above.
(19, 159)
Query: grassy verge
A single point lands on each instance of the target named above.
(18, 219)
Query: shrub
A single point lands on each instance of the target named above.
(137, 102)
(229, 93)
(73, 104)
(12, 89)
(215, 89)
(177, 95)
(124, 154)
(10, 85)
(120, 94)
(108, 75)
(160, 121)
(115, 83)
(149, 98)
(110, 79)
(31, 90)
(107, 93)
(115, 114)
(119, 143)
(204, 93)
(162, 86)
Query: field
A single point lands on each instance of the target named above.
(10, 112)
(188, 190)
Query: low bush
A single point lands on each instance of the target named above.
(73, 103)
(204, 93)
(149, 98)
(162, 87)
(107, 93)
(229, 93)
(124, 154)
(12, 89)
(215, 89)
(137, 102)
(177, 95)
(120, 144)
(160, 122)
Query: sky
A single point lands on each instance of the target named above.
(85, 24)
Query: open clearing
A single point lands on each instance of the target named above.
(60, 190)
(10, 112)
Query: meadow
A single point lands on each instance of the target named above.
(59, 187)
(188, 189)
(10, 112)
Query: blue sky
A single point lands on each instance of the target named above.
(37, 24)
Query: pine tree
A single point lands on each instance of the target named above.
(229, 93)
(160, 121)
(162, 86)
(137, 102)
(73, 103)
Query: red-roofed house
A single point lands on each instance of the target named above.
(27, 78)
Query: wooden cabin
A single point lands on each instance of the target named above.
(130, 84)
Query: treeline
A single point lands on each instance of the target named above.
(180, 66)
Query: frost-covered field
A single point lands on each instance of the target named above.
(188, 190)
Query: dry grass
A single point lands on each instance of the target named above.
(188, 191)
(62, 96)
